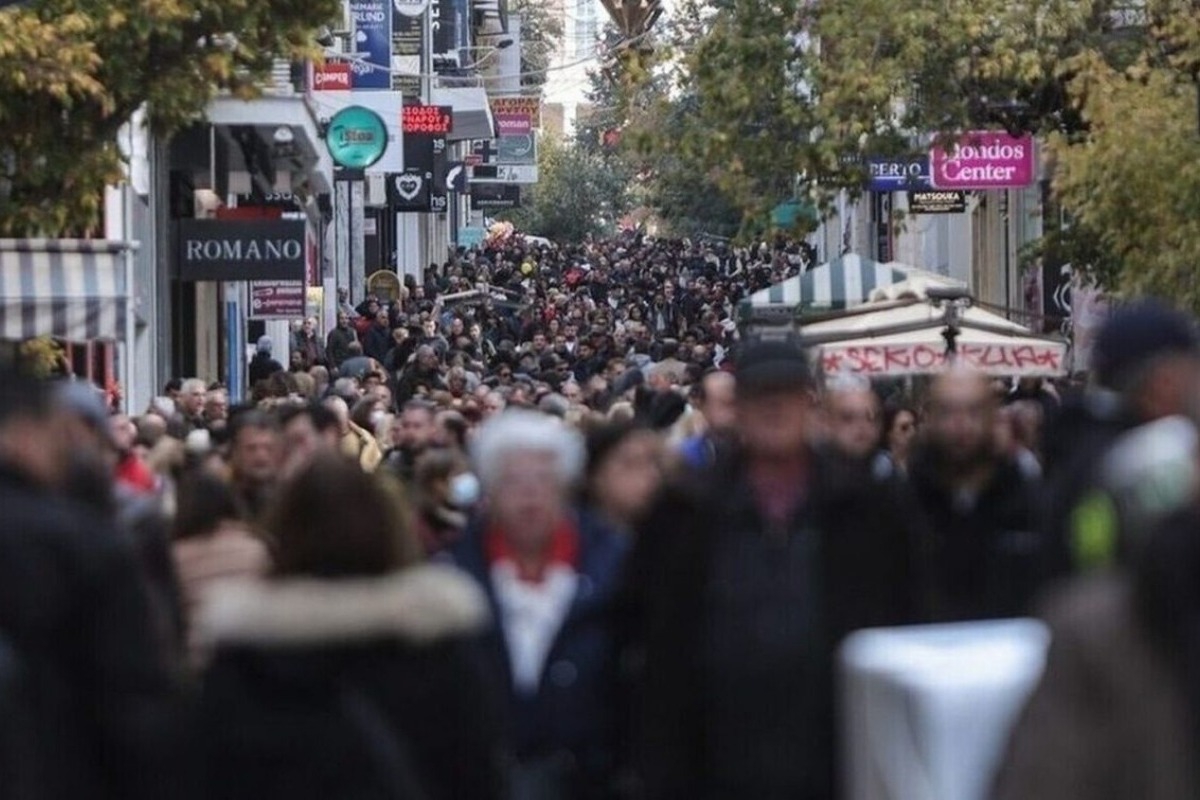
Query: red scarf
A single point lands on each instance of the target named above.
(563, 549)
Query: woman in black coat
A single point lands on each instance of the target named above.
(345, 674)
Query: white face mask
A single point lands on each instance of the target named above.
(464, 490)
(377, 417)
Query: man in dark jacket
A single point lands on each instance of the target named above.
(85, 693)
(337, 343)
(985, 553)
(743, 581)
(263, 366)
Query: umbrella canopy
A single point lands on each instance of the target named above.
(907, 338)
(845, 282)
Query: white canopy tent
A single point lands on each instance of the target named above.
(910, 337)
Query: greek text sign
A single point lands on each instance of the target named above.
(984, 160)
(1024, 359)
(240, 250)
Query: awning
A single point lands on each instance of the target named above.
(472, 112)
(70, 289)
(907, 338)
(842, 283)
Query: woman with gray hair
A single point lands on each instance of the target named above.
(550, 573)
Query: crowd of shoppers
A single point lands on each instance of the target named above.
(564, 535)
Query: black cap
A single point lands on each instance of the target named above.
(762, 367)
(1137, 332)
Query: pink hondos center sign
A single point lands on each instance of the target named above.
(984, 160)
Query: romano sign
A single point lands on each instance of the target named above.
(240, 250)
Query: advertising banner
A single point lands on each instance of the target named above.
(372, 67)
(984, 160)
(408, 45)
(898, 174)
(410, 191)
(519, 105)
(935, 202)
(277, 299)
(240, 250)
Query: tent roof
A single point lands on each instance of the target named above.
(844, 282)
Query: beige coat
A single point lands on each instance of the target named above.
(1109, 720)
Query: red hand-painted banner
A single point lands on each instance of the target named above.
(1024, 359)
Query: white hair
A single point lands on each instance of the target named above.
(192, 385)
(518, 431)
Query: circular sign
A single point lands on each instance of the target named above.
(410, 8)
(356, 138)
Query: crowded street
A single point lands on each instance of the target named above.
(599, 400)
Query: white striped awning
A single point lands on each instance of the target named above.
(71, 289)
(842, 283)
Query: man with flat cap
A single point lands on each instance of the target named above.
(744, 580)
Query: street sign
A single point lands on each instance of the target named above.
(936, 202)
(276, 299)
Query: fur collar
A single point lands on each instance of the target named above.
(419, 605)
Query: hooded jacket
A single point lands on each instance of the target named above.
(352, 688)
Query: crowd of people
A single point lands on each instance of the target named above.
(545, 526)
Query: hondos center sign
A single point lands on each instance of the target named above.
(984, 160)
(240, 250)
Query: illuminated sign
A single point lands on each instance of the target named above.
(428, 120)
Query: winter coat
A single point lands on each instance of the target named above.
(572, 718)
(729, 632)
(88, 704)
(985, 559)
(337, 344)
(262, 366)
(376, 342)
(355, 688)
(1109, 720)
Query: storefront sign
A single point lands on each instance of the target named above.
(513, 124)
(373, 44)
(332, 76)
(897, 174)
(1031, 359)
(240, 250)
(519, 105)
(357, 137)
(277, 299)
(935, 202)
(984, 160)
(495, 197)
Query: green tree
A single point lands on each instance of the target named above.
(73, 71)
(577, 194)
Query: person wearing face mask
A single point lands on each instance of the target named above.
(445, 493)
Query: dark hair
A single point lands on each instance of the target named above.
(360, 415)
(22, 396)
(322, 418)
(247, 418)
(202, 502)
(894, 407)
(334, 521)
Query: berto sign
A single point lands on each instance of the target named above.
(984, 160)
(239, 250)
(356, 138)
